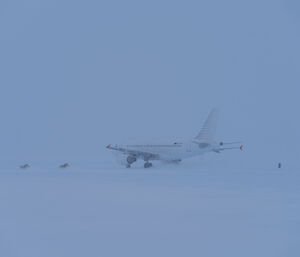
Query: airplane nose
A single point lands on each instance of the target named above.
(108, 146)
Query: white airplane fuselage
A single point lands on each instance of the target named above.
(172, 152)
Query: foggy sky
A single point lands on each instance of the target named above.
(77, 75)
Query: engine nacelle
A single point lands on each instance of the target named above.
(131, 159)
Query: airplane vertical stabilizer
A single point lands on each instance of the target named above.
(208, 131)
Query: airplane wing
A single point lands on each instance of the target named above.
(138, 154)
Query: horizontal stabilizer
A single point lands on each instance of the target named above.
(218, 150)
(230, 143)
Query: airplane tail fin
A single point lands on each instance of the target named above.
(208, 131)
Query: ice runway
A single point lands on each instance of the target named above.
(165, 211)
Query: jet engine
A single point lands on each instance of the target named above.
(131, 159)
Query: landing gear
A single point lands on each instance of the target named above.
(178, 161)
(147, 165)
(128, 166)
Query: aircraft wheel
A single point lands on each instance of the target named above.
(128, 166)
(147, 165)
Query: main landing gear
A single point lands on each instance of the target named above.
(147, 165)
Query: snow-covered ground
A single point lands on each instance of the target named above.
(184, 210)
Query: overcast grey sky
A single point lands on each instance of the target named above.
(77, 75)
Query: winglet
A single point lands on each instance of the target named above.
(108, 146)
(241, 147)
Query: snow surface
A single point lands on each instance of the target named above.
(191, 209)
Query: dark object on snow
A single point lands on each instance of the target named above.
(279, 165)
(25, 166)
(65, 165)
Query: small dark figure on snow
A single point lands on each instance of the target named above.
(25, 166)
(279, 165)
(65, 165)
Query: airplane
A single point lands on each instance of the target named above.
(203, 143)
